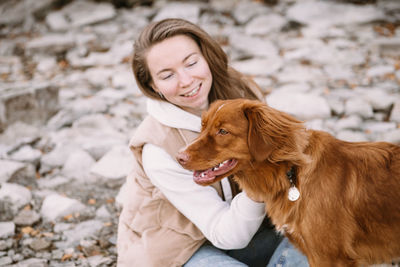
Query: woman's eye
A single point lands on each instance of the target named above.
(167, 77)
(222, 132)
(192, 63)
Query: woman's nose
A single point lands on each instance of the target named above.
(185, 78)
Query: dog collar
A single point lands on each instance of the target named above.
(293, 193)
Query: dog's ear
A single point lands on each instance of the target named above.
(274, 135)
(260, 145)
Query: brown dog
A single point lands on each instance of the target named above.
(344, 206)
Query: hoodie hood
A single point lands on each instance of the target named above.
(173, 116)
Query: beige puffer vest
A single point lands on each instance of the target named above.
(151, 231)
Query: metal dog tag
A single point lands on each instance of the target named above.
(293, 194)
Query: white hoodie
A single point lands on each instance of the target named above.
(226, 224)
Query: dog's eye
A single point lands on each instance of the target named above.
(222, 132)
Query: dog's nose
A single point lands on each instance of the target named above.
(182, 158)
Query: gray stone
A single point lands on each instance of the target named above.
(61, 227)
(299, 74)
(392, 136)
(125, 79)
(25, 176)
(99, 260)
(81, 231)
(33, 104)
(6, 244)
(358, 106)
(395, 114)
(115, 165)
(78, 165)
(339, 72)
(7, 229)
(112, 96)
(99, 76)
(302, 106)
(14, 12)
(52, 182)
(15, 194)
(27, 218)
(5, 261)
(336, 105)
(352, 122)
(386, 46)
(379, 71)
(245, 10)
(58, 156)
(259, 67)
(294, 88)
(55, 206)
(103, 213)
(352, 136)
(253, 46)
(39, 244)
(188, 11)
(19, 133)
(265, 24)
(327, 14)
(115, 55)
(33, 262)
(26, 154)
(379, 99)
(51, 43)
(379, 127)
(8, 169)
(330, 55)
(80, 13)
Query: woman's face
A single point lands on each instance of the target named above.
(180, 72)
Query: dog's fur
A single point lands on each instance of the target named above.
(348, 213)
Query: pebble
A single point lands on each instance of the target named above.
(69, 103)
(55, 206)
(26, 218)
(39, 244)
(7, 229)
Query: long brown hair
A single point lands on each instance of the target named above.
(227, 82)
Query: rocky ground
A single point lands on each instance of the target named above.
(69, 103)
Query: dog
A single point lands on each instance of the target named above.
(338, 202)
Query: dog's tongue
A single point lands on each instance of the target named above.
(201, 177)
(209, 175)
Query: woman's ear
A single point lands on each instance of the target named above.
(155, 89)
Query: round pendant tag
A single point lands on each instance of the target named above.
(293, 194)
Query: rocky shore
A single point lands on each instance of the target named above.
(69, 102)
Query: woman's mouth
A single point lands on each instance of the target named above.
(193, 92)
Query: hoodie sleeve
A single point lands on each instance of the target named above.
(226, 226)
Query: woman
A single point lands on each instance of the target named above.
(167, 219)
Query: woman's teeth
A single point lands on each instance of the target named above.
(193, 92)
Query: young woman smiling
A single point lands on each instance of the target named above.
(167, 219)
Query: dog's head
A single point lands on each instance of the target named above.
(237, 133)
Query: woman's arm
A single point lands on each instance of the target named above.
(225, 226)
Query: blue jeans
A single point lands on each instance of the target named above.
(265, 249)
(287, 256)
